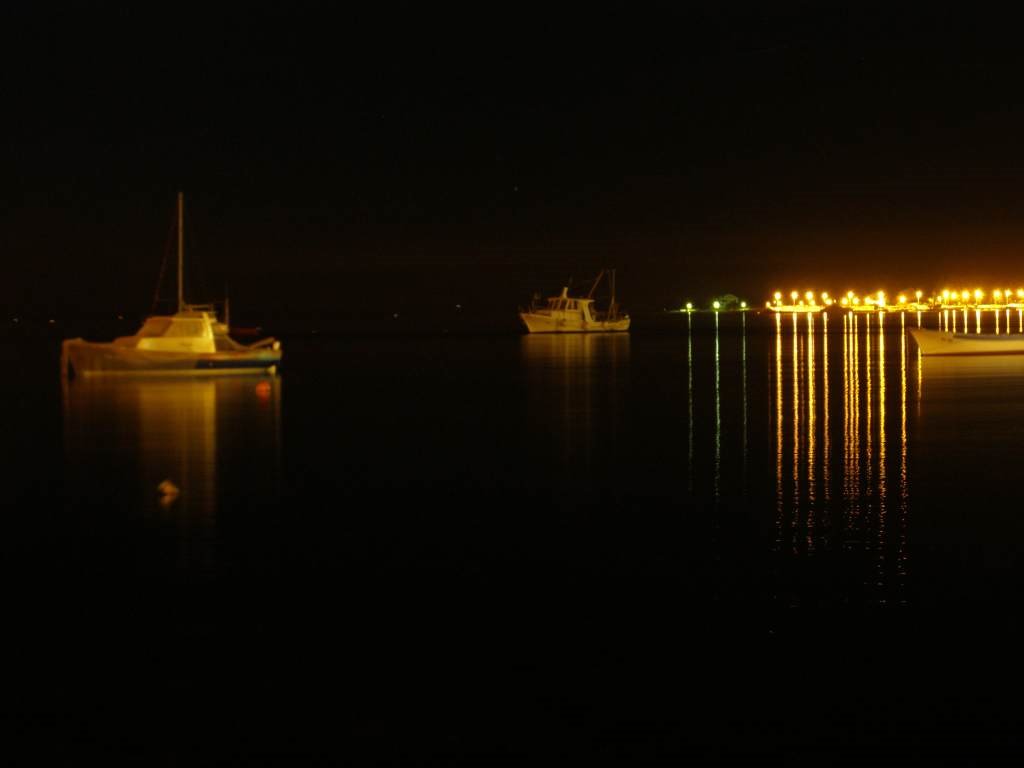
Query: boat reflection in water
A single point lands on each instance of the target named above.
(571, 377)
(980, 401)
(195, 448)
(844, 486)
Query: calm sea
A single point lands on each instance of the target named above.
(753, 541)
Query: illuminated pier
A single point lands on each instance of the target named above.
(977, 300)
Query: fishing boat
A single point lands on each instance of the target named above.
(569, 314)
(190, 342)
(936, 343)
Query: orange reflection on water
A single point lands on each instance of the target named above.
(779, 496)
(796, 422)
(859, 515)
(811, 413)
(571, 362)
(869, 465)
(882, 489)
(851, 448)
(826, 437)
(901, 555)
(177, 438)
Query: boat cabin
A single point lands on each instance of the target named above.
(564, 304)
(182, 332)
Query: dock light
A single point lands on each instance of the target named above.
(794, 295)
(743, 305)
(689, 306)
(881, 298)
(978, 294)
(844, 301)
(856, 300)
(965, 295)
(778, 296)
(849, 294)
(945, 295)
(809, 296)
(1020, 293)
(918, 294)
(824, 295)
(902, 299)
(716, 305)
(997, 294)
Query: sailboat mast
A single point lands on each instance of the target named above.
(612, 311)
(181, 251)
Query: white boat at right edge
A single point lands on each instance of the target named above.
(936, 343)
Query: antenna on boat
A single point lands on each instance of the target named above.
(181, 251)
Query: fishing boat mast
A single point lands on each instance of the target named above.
(181, 251)
(613, 312)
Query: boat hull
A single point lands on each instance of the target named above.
(944, 343)
(86, 358)
(536, 323)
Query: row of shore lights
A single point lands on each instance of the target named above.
(715, 305)
(851, 299)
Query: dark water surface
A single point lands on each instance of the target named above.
(761, 544)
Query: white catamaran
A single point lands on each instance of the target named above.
(189, 342)
(567, 314)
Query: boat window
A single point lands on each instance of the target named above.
(154, 326)
(187, 328)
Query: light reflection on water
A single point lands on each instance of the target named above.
(848, 449)
(173, 450)
(868, 515)
(576, 379)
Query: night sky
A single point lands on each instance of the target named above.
(354, 164)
